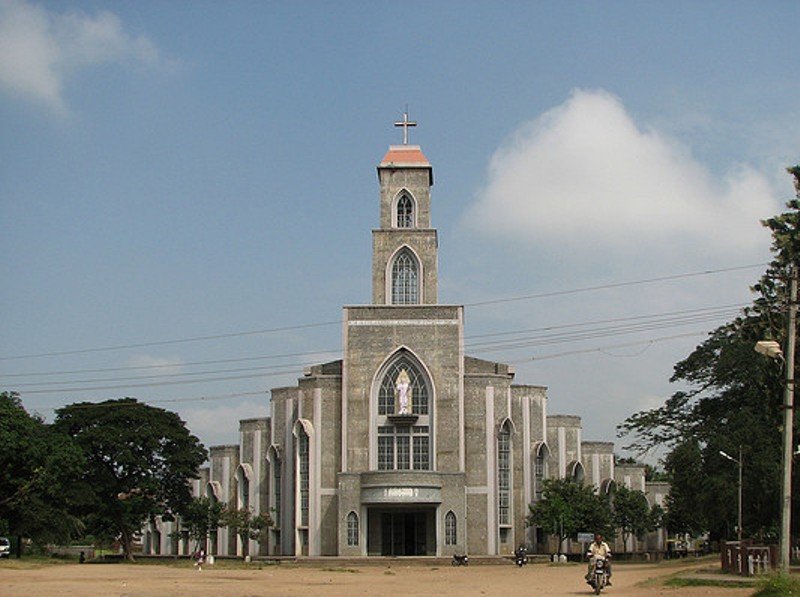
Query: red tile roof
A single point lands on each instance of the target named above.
(404, 155)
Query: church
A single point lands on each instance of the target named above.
(406, 446)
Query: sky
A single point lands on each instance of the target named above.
(188, 189)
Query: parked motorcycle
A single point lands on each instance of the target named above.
(521, 556)
(459, 560)
(598, 577)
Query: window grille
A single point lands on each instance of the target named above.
(302, 453)
(352, 529)
(504, 475)
(450, 533)
(276, 489)
(405, 279)
(405, 212)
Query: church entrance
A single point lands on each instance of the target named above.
(401, 532)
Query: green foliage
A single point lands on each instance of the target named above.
(200, 517)
(568, 508)
(38, 466)
(138, 461)
(778, 585)
(246, 524)
(729, 396)
(631, 513)
(684, 466)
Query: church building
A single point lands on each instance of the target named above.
(407, 445)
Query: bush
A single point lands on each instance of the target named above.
(778, 585)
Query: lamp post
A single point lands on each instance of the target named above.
(773, 350)
(739, 462)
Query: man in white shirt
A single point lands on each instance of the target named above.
(599, 549)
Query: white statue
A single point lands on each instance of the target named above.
(402, 386)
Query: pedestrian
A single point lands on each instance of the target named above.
(200, 559)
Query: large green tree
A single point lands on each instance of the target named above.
(201, 517)
(247, 525)
(38, 470)
(730, 397)
(568, 508)
(139, 459)
(632, 515)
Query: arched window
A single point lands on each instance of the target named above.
(405, 279)
(302, 474)
(504, 474)
(352, 529)
(242, 488)
(276, 489)
(450, 533)
(540, 471)
(404, 445)
(405, 212)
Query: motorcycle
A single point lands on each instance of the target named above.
(459, 560)
(598, 577)
(521, 556)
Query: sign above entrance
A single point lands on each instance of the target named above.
(402, 495)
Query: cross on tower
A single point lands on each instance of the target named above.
(405, 123)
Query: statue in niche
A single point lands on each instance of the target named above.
(402, 387)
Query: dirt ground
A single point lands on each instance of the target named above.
(279, 580)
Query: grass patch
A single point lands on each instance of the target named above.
(778, 585)
(679, 581)
(350, 570)
(34, 562)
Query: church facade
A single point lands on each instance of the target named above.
(407, 445)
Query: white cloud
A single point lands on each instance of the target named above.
(160, 365)
(585, 175)
(40, 49)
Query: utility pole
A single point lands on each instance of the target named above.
(741, 466)
(788, 428)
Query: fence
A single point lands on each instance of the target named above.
(747, 559)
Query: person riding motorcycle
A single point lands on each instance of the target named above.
(599, 548)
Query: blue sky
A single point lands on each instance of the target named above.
(175, 170)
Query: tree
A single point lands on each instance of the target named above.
(730, 397)
(684, 467)
(631, 514)
(246, 525)
(38, 470)
(201, 517)
(568, 508)
(139, 459)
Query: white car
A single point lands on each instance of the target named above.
(5, 547)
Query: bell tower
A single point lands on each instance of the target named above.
(404, 248)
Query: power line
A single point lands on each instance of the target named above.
(614, 285)
(166, 342)
(619, 326)
(329, 323)
(172, 365)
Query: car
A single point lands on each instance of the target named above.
(5, 547)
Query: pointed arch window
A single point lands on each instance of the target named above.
(403, 445)
(450, 532)
(352, 529)
(302, 474)
(540, 471)
(405, 279)
(504, 474)
(405, 212)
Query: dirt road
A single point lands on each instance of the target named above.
(183, 579)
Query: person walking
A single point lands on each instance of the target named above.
(200, 559)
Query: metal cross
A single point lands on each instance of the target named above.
(405, 123)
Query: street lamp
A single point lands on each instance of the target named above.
(739, 462)
(772, 349)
